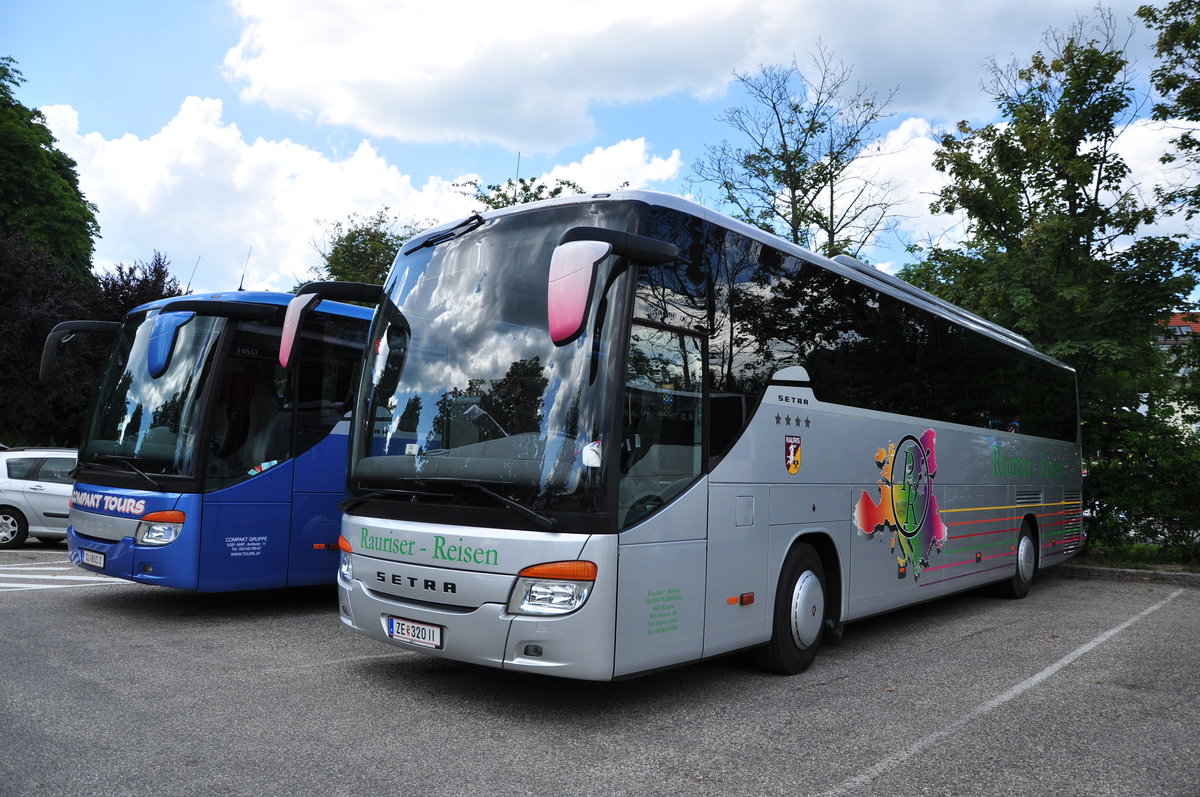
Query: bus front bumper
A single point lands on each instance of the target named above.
(488, 635)
(125, 559)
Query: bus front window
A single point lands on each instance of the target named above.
(474, 405)
(152, 421)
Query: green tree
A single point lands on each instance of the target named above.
(36, 293)
(126, 287)
(1177, 79)
(41, 295)
(799, 166)
(516, 192)
(362, 248)
(40, 200)
(1056, 250)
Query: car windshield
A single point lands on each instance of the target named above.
(148, 420)
(466, 389)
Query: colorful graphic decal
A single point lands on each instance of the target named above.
(791, 453)
(907, 508)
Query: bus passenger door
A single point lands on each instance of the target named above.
(662, 502)
(319, 490)
(737, 612)
(246, 532)
(329, 351)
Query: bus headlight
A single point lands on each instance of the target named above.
(159, 528)
(552, 588)
(345, 566)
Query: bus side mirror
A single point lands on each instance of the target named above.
(569, 289)
(162, 340)
(65, 331)
(573, 272)
(309, 296)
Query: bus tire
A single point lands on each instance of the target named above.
(799, 620)
(1017, 586)
(13, 528)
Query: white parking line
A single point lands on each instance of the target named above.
(59, 565)
(64, 578)
(49, 575)
(893, 761)
(15, 587)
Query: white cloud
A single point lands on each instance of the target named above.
(198, 189)
(933, 52)
(521, 75)
(904, 159)
(608, 168)
(529, 75)
(1143, 143)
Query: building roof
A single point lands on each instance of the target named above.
(1183, 324)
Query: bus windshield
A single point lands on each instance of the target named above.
(147, 420)
(466, 401)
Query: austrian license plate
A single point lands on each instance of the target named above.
(421, 634)
(93, 558)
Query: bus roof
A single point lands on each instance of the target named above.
(255, 297)
(844, 265)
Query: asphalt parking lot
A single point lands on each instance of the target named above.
(1087, 687)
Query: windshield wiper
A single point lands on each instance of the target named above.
(470, 222)
(373, 495)
(126, 463)
(537, 517)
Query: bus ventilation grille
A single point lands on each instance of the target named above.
(1072, 524)
(1029, 497)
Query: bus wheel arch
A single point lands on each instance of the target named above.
(13, 527)
(805, 599)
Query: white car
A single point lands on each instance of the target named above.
(35, 494)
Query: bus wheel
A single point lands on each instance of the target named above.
(1017, 586)
(799, 619)
(13, 528)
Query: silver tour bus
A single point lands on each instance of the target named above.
(604, 435)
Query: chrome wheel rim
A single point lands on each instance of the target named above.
(1025, 558)
(808, 609)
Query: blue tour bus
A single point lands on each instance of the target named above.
(204, 464)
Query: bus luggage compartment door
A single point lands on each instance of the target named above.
(737, 609)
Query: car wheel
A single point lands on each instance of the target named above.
(799, 619)
(13, 528)
(1017, 586)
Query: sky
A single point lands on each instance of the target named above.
(230, 134)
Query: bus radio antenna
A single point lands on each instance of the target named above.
(517, 179)
(245, 267)
(188, 289)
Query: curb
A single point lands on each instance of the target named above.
(1118, 574)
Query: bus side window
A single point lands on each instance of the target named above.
(727, 418)
(662, 440)
(329, 353)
